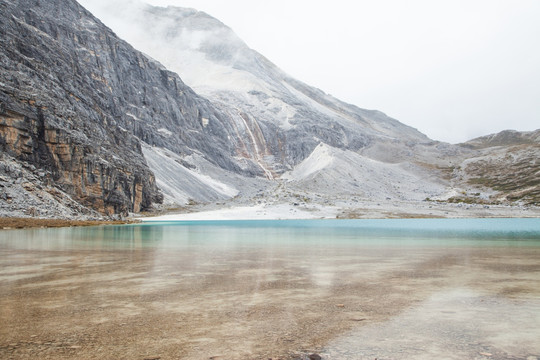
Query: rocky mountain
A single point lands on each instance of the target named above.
(90, 125)
(77, 102)
(283, 122)
(284, 119)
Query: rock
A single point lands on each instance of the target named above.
(28, 186)
(59, 104)
(80, 115)
(315, 357)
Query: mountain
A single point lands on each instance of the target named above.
(91, 126)
(282, 121)
(507, 162)
(76, 105)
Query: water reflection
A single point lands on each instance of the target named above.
(249, 289)
(312, 234)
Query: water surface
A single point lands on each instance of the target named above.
(415, 288)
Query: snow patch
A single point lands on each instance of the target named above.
(255, 212)
(321, 157)
(181, 185)
(164, 132)
(333, 171)
(133, 116)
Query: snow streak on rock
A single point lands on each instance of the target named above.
(181, 185)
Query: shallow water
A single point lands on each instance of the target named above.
(358, 289)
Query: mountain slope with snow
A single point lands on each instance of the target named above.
(279, 121)
(344, 172)
(89, 120)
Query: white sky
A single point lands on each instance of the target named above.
(453, 69)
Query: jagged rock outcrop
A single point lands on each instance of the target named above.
(26, 191)
(75, 100)
(58, 106)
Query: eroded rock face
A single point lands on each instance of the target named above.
(57, 110)
(75, 100)
(94, 177)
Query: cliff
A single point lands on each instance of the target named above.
(76, 102)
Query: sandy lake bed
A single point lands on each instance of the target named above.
(186, 291)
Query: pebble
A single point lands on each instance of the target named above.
(315, 357)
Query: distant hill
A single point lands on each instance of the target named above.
(507, 162)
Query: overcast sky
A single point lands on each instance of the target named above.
(452, 69)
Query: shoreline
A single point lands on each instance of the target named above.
(10, 223)
(344, 210)
(286, 211)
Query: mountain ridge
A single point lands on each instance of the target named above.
(285, 119)
(90, 126)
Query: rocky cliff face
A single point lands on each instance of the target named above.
(76, 101)
(55, 94)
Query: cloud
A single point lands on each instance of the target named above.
(452, 69)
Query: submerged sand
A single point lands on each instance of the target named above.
(236, 301)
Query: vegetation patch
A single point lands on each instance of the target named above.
(515, 176)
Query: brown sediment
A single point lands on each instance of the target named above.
(23, 223)
(356, 214)
(236, 302)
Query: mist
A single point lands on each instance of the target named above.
(454, 70)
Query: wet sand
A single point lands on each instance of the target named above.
(250, 302)
(8, 223)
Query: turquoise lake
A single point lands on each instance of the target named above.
(358, 289)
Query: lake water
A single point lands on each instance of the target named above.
(344, 289)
